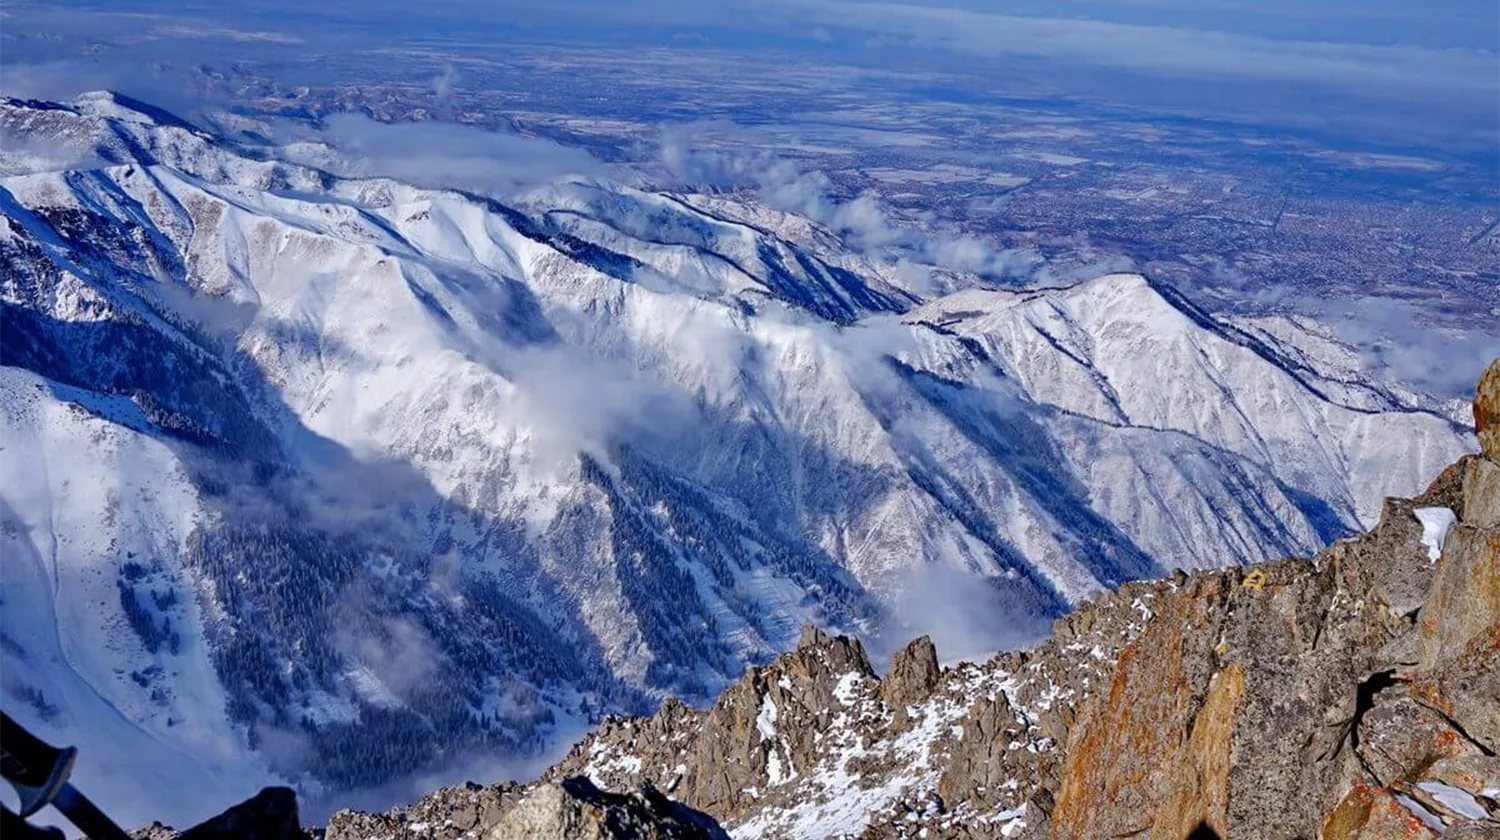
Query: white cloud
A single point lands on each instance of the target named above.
(689, 155)
(1400, 341)
(571, 402)
(437, 154)
(973, 618)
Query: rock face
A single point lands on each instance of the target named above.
(1487, 411)
(914, 673)
(574, 809)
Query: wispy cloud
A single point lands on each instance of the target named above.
(975, 619)
(862, 221)
(1400, 342)
(436, 154)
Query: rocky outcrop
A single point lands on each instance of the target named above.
(913, 674)
(446, 814)
(575, 809)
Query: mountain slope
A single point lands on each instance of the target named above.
(1355, 694)
(420, 472)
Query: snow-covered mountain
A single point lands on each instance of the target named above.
(350, 478)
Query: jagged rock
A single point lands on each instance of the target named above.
(1399, 739)
(1109, 786)
(913, 674)
(575, 809)
(269, 815)
(445, 814)
(1447, 490)
(819, 654)
(980, 762)
(1475, 774)
(1487, 411)
(1471, 831)
(1472, 772)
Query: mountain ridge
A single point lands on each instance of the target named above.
(1353, 694)
(504, 441)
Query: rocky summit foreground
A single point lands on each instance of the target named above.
(1352, 695)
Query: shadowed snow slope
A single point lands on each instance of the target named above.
(340, 478)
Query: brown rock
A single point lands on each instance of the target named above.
(913, 675)
(1202, 782)
(979, 762)
(1400, 740)
(1123, 755)
(1481, 493)
(1472, 831)
(1459, 673)
(1447, 490)
(448, 813)
(1487, 411)
(1474, 773)
(1372, 813)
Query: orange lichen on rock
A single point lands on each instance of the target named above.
(1487, 410)
(1372, 813)
(1203, 772)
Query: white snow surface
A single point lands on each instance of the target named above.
(1436, 521)
(82, 492)
(1457, 800)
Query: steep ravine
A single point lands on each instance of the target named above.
(1355, 694)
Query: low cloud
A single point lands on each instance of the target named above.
(481, 766)
(395, 650)
(572, 402)
(443, 83)
(862, 221)
(55, 80)
(967, 614)
(435, 154)
(1408, 342)
(1400, 342)
(27, 156)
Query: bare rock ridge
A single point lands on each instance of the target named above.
(1355, 694)
(575, 809)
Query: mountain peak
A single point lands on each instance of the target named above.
(114, 105)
